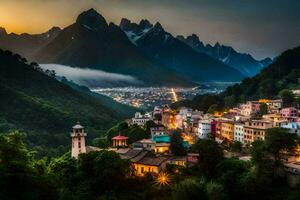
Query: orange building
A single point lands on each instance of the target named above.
(227, 130)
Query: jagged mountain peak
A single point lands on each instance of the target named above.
(158, 27)
(193, 37)
(144, 24)
(2, 31)
(92, 19)
(243, 62)
(125, 23)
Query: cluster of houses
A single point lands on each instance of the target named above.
(153, 154)
(149, 155)
(238, 124)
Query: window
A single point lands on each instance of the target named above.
(79, 145)
(142, 169)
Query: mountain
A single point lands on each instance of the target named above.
(25, 44)
(46, 109)
(169, 51)
(283, 73)
(245, 63)
(93, 43)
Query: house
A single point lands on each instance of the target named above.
(274, 106)
(239, 132)
(293, 127)
(255, 130)
(143, 162)
(147, 144)
(289, 113)
(227, 130)
(250, 108)
(204, 129)
(119, 141)
(213, 125)
(162, 147)
(159, 130)
(179, 161)
(150, 165)
(192, 158)
(140, 119)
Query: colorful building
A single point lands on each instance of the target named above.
(239, 132)
(227, 130)
(119, 141)
(204, 129)
(255, 130)
(250, 108)
(289, 113)
(150, 165)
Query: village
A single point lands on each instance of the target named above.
(241, 126)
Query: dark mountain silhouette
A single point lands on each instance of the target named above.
(25, 44)
(167, 50)
(245, 63)
(91, 42)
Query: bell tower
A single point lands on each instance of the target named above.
(78, 140)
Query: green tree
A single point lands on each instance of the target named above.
(278, 140)
(176, 145)
(213, 108)
(236, 146)
(210, 156)
(288, 97)
(263, 109)
(189, 189)
(215, 191)
(21, 177)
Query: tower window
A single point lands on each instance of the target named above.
(79, 145)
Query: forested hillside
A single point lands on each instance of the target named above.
(35, 102)
(282, 74)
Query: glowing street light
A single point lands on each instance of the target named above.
(163, 179)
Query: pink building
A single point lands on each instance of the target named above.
(289, 113)
(214, 128)
(250, 108)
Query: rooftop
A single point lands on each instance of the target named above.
(77, 126)
(153, 161)
(120, 137)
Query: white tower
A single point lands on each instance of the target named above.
(78, 140)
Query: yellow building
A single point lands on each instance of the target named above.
(227, 130)
(162, 148)
(150, 165)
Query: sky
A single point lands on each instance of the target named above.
(259, 27)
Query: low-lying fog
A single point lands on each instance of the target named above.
(91, 77)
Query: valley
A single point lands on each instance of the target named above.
(148, 97)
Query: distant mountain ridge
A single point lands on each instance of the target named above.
(91, 42)
(243, 62)
(283, 73)
(141, 50)
(167, 50)
(26, 44)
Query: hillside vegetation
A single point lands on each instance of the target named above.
(46, 109)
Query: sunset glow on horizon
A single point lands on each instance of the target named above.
(248, 26)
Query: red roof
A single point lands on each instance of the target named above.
(120, 137)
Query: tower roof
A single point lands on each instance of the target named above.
(77, 126)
